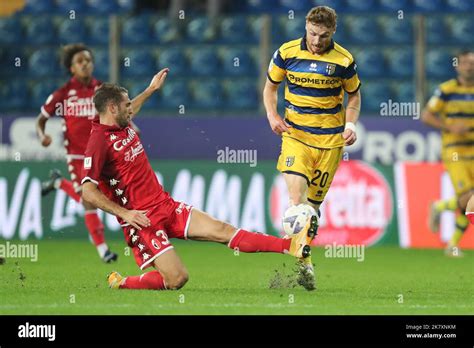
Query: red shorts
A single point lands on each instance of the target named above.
(168, 220)
(74, 166)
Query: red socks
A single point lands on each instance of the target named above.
(67, 187)
(152, 280)
(95, 227)
(251, 242)
(470, 216)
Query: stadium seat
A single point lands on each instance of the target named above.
(371, 63)
(40, 31)
(101, 7)
(207, 94)
(137, 87)
(362, 30)
(99, 31)
(259, 6)
(295, 5)
(175, 59)
(460, 5)
(462, 31)
(234, 30)
(405, 92)
(125, 6)
(361, 6)
(165, 30)
(101, 64)
(137, 63)
(136, 30)
(397, 31)
(65, 6)
(374, 94)
(14, 95)
(337, 5)
(40, 91)
(292, 28)
(439, 64)
(428, 5)
(436, 31)
(72, 31)
(10, 30)
(238, 62)
(175, 93)
(401, 62)
(39, 6)
(200, 30)
(205, 62)
(242, 95)
(44, 63)
(395, 5)
(340, 35)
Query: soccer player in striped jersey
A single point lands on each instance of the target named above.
(451, 109)
(316, 126)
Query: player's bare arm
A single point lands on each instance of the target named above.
(431, 119)
(92, 194)
(352, 115)
(155, 85)
(44, 138)
(270, 100)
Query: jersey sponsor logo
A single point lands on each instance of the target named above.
(88, 163)
(120, 144)
(315, 81)
(77, 107)
(131, 154)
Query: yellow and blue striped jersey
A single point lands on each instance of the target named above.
(455, 103)
(314, 92)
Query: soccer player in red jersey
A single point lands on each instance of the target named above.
(470, 210)
(118, 178)
(73, 102)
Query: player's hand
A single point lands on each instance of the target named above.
(349, 136)
(136, 218)
(46, 140)
(158, 79)
(278, 124)
(458, 128)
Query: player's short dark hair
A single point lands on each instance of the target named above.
(464, 53)
(70, 50)
(322, 15)
(106, 93)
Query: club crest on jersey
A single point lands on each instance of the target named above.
(88, 163)
(330, 69)
(290, 160)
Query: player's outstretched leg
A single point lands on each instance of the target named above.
(55, 182)
(436, 208)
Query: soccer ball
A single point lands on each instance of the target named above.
(296, 217)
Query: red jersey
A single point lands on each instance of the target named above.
(73, 101)
(115, 160)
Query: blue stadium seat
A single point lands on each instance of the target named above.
(205, 62)
(259, 6)
(374, 94)
(10, 30)
(292, 28)
(234, 30)
(208, 95)
(238, 62)
(200, 30)
(101, 63)
(337, 5)
(41, 90)
(125, 6)
(72, 31)
(242, 95)
(401, 62)
(99, 31)
(395, 5)
(105, 7)
(436, 30)
(439, 64)
(137, 87)
(14, 95)
(295, 5)
(40, 31)
(165, 30)
(462, 31)
(361, 6)
(175, 59)
(371, 63)
(39, 6)
(66, 6)
(428, 5)
(397, 31)
(340, 36)
(362, 30)
(13, 62)
(405, 92)
(175, 93)
(141, 64)
(460, 5)
(136, 30)
(44, 63)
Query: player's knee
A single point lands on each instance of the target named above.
(224, 232)
(177, 280)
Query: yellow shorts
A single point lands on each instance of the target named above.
(462, 175)
(316, 165)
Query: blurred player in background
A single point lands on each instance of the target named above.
(470, 209)
(451, 109)
(73, 101)
(118, 178)
(318, 72)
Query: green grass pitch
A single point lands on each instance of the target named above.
(69, 278)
